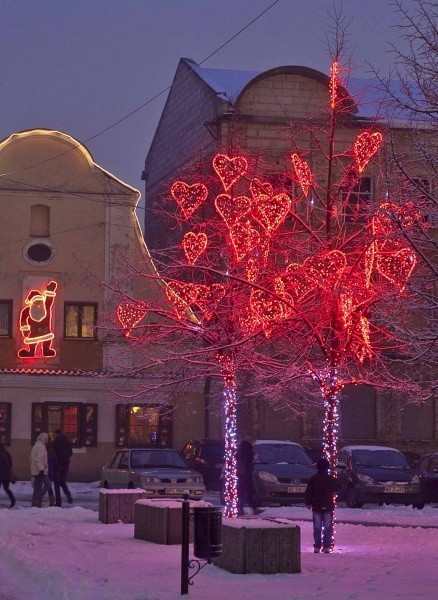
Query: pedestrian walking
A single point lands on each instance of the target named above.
(39, 469)
(6, 473)
(245, 480)
(63, 450)
(320, 497)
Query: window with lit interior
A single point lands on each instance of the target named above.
(80, 320)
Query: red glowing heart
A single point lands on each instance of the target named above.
(269, 308)
(189, 197)
(365, 147)
(194, 245)
(232, 209)
(251, 270)
(303, 173)
(244, 238)
(208, 298)
(229, 170)
(297, 283)
(249, 320)
(326, 269)
(260, 190)
(181, 295)
(271, 212)
(129, 314)
(397, 267)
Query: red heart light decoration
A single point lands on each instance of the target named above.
(270, 213)
(252, 270)
(244, 238)
(232, 209)
(260, 190)
(326, 269)
(208, 298)
(297, 282)
(365, 147)
(397, 267)
(229, 170)
(194, 245)
(361, 343)
(249, 320)
(181, 295)
(390, 218)
(129, 314)
(189, 197)
(303, 173)
(270, 309)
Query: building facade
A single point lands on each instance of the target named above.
(68, 228)
(268, 115)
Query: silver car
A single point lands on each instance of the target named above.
(162, 473)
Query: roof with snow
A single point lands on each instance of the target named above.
(367, 94)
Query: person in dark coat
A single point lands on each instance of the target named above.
(63, 450)
(5, 473)
(51, 462)
(320, 497)
(245, 481)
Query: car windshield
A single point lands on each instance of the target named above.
(213, 452)
(149, 459)
(379, 458)
(281, 453)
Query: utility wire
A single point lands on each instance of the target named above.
(157, 95)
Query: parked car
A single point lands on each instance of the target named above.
(427, 471)
(207, 457)
(376, 474)
(281, 472)
(162, 473)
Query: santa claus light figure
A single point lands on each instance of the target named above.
(36, 323)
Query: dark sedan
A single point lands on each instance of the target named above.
(376, 474)
(281, 472)
(427, 471)
(207, 457)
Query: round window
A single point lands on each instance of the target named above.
(39, 252)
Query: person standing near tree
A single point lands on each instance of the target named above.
(39, 469)
(320, 497)
(245, 481)
(5, 473)
(63, 450)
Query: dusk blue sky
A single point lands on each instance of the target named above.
(78, 66)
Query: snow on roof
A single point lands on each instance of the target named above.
(276, 442)
(368, 94)
(227, 83)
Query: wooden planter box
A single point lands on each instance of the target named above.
(118, 505)
(260, 546)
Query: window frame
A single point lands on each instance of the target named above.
(80, 306)
(86, 429)
(9, 305)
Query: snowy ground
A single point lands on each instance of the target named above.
(67, 554)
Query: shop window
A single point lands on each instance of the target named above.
(357, 201)
(77, 420)
(5, 318)
(144, 425)
(39, 220)
(5, 423)
(80, 320)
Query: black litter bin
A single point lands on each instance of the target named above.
(207, 532)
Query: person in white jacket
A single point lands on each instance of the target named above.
(39, 469)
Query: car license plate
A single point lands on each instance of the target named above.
(296, 489)
(172, 491)
(395, 489)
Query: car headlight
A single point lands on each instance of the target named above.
(149, 480)
(415, 479)
(268, 476)
(365, 478)
(194, 479)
